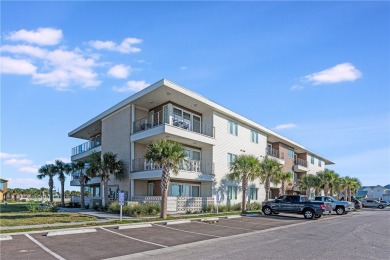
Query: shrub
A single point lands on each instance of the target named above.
(222, 208)
(253, 206)
(35, 206)
(139, 210)
(236, 207)
(114, 207)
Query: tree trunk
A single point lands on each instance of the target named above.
(308, 192)
(105, 190)
(326, 189)
(43, 196)
(82, 194)
(165, 179)
(267, 187)
(51, 185)
(244, 189)
(62, 194)
(283, 188)
(331, 191)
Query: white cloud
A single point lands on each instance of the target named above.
(339, 73)
(285, 126)
(126, 46)
(25, 183)
(183, 67)
(119, 71)
(29, 169)
(133, 86)
(24, 49)
(296, 88)
(67, 67)
(11, 155)
(41, 36)
(18, 162)
(16, 66)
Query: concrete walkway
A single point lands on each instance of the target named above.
(95, 213)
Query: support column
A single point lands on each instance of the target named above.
(131, 189)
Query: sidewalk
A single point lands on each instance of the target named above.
(95, 213)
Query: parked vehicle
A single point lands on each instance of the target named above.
(358, 204)
(386, 202)
(340, 207)
(297, 204)
(373, 203)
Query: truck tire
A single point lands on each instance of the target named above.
(340, 210)
(317, 216)
(308, 214)
(267, 210)
(380, 206)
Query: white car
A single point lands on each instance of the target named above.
(374, 203)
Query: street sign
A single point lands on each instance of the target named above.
(121, 202)
(121, 198)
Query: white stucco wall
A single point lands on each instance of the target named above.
(314, 168)
(240, 144)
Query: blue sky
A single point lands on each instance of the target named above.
(315, 72)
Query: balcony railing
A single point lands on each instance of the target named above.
(141, 164)
(85, 147)
(169, 118)
(300, 162)
(274, 153)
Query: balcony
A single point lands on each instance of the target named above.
(75, 180)
(169, 118)
(80, 150)
(300, 165)
(275, 154)
(188, 170)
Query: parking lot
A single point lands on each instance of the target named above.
(107, 242)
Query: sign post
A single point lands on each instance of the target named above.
(121, 202)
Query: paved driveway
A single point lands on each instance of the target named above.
(108, 242)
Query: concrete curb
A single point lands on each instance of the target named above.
(231, 217)
(70, 232)
(134, 226)
(175, 222)
(5, 237)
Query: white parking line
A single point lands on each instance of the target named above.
(119, 234)
(44, 248)
(187, 231)
(225, 226)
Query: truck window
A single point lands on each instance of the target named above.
(318, 199)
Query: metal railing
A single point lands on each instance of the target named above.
(169, 118)
(141, 164)
(274, 153)
(300, 162)
(85, 147)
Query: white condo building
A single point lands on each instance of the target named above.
(212, 136)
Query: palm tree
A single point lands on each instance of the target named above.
(323, 177)
(168, 155)
(285, 177)
(48, 170)
(244, 168)
(104, 167)
(63, 169)
(333, 181)
(269, 170)
(355, 185)
(79, 169)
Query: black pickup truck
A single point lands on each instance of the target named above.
(297, 204)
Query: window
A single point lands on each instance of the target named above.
(233, 128)
(150, 188)
(312, 159)
(184, 190)
(253, 193)
(232, 192)
(231, 158)
(186, 120)
(254, 137)
(291, 152)
(319, 162)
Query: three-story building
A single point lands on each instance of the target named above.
(212, 136)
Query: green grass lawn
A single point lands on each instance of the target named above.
(17, 214)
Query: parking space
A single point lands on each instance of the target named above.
(109, 242)
(98, 245)
(21, 247)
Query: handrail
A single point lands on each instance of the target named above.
(169, 118)
(141, 164)
(85, 147)
(274, 153)
(300, 162)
